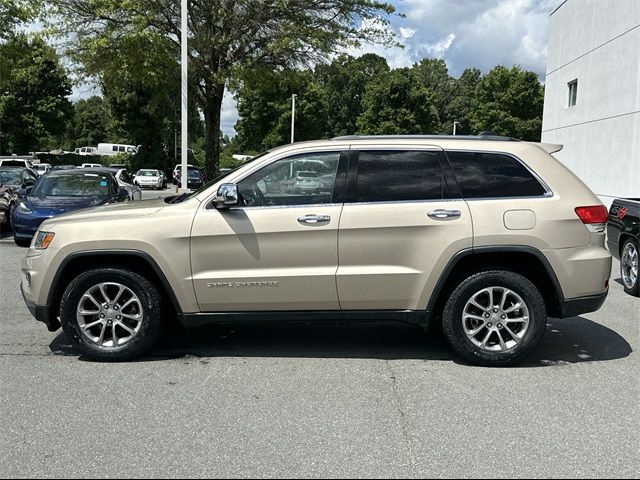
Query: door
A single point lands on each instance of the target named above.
(279, 249)
(403, 220)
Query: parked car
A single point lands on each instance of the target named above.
(150, 178)
(118, 165)
(17, 178)
(86, 151)
(90, 165)
(177, 170)
(194, 178)
(16, 162)
(60, 192)
(483, 236)
(42, 168)
(125, 181)
(623, 238)
(7, 204)
(115, 149)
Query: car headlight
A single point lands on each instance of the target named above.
(43, 240)
(22, 208)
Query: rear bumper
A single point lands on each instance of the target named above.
(577, 306)
(42, 313)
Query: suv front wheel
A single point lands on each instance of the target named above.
(111, 314)
(495, 318)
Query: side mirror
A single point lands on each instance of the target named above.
(227, 196)
(123, 194)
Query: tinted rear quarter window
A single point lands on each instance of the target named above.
(387, 176)
(493, 175)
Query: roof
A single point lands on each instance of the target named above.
(486, 137)
(79, 171)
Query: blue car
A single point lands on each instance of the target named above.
(58, 192)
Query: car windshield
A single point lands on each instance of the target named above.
(11, 177)
(85, 185)
(147, 173)
(193, 173)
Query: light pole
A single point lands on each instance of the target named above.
(293, 115)
(454, 126)
(184, 85)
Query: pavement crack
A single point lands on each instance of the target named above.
(402, 418)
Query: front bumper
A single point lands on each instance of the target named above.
(42, 313)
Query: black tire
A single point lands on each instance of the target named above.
(452, 319)
(635, 289)
(22, 242)
(150, 329)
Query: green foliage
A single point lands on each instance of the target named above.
(264, 105)
(16, 12)
(395, 103)
(509, 101)
(33, 94)
(342, 85)
(91, 123)
(228, 39)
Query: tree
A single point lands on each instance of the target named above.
(33, 94)
(91, 123)
(433, 74)
(228, 38)
(343, 83)
(509, 101)
(264, 108)
(394, 103)
(462, 102)
(16, 12)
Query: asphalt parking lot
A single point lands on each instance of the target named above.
(379, 400)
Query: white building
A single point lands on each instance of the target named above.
(592, 96)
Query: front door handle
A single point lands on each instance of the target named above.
(441, 214)
(314, 219)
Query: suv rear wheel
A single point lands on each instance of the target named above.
(111, 314)
(495, 318)
(629, 267)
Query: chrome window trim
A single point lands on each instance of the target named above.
(273, 207)
(548, 192)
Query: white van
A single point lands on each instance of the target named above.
(116, 148)
(86, 151)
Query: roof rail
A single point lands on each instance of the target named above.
(487, 137)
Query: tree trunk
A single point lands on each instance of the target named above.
(212, 113)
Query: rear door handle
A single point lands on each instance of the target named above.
(314, 219)
(442, 214)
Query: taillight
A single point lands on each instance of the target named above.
(594, 217)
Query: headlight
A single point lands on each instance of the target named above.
(22, 208)
(43, 240)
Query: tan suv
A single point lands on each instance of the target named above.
(486, 235)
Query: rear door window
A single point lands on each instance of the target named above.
(398, 175)
(493, 175)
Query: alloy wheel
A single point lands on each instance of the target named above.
(495, 319)
(109, 314)
(629, 265)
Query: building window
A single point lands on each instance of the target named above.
(573, 93)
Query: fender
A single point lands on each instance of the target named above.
(131, 253)
(435, 295)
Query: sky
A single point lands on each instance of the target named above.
(465, 33)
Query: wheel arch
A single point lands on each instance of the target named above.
(135, 260)
(527, 261)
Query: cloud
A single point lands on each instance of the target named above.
(229, 115)
(476, 33)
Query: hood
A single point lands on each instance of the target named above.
(51, 205)
(113, 211)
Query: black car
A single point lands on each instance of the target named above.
(623, 238)
(194, 178)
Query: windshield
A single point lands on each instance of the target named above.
(86, 185)
(11, 177)
(193, 173)
(147, 173)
